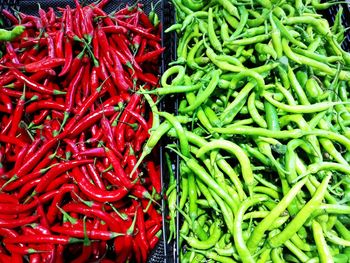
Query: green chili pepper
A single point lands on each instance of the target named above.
(10, 35)
(301, 217)
(206, 93)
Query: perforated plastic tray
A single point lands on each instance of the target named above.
(163, 252)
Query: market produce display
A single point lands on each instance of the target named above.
(262, 132)
(73, 125)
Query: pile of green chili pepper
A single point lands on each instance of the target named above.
(262, 131)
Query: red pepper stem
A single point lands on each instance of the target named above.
(74, 240)
(65, 119)
(146, 151)
(123, 216)
(87, 241)
(12, 179)
(150, 201)
(131, 229)
(67, 217)
(87, 203)
(23, 97)
(114, 235)
(87, 46)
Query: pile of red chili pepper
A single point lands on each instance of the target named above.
(72, 128)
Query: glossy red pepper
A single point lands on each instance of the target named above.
(96, 193)
(68, 57)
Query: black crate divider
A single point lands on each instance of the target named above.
(164, 251)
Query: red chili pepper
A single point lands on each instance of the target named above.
(35, 258)
(140, 222)
(25, 190)
(13, 249)
(11, 52)
(108, 134)
(44, 64)
(58, 182)
(154, 44)
(112, 101)
(104, 45)
(20, 156)
(99, 92)
(131, 161)
(8, 199)
(50, 46)
(10, 16)
(51, 239)
(138, 30)
(152, 55)
(7, 102)
(96, 178)
(152, 233)
(59, 44)
(18, 222)
(43, 17)
(114, 29)
(56, 171)
(143, 46)
(32, 84)
(95, 45)
(96, 213)
(88, 21)
(34, 19)
(124, 118)
(11, 140)
(112, 178)
(145, 20)
(123, 245)
(52, 211)
(95, 193)
(154, 175)
(132, 65)
(6, 78)
(139, 118)
(52, 16)
(4, 109)
(118, 169)
(71, 90)
(33, 160)
(69, 22)
(40, 117)
(137, 251)
(44, 104)
(78, 25)
(68, 57)
(141, 192)
(85, 254)
(88, 121)
(118, 75)
(91, 233)
(92, 152)
(27, 42)
(136, 42)
(104, 76)
(154, 240)
(5, 125)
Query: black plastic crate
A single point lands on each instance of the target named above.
(330, 14)
(163, 252)
(170, 39)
